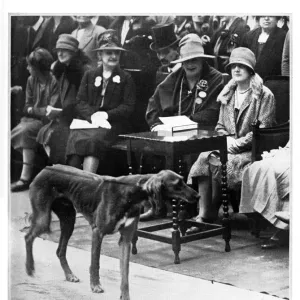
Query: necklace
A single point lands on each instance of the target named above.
(180, 99)
(245, 91)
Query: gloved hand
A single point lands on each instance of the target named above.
(99, 118)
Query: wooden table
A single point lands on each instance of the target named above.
(173, 148)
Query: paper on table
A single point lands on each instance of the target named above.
(81, 124)
(177, 121)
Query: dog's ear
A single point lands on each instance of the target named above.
(154, 186)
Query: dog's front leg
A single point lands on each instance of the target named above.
(97, 237)
(125, 245)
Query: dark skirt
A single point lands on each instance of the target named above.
(25, 133)
(55, 135)
(93, 142)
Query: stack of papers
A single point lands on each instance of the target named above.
(178, 123)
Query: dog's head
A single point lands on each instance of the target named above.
(168, 185)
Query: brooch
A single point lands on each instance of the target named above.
(98, 80)
(202, 85)
(116, 79)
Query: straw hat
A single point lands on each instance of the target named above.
(190, 47)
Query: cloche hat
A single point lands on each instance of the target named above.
(109, 41)
(190, 47)
(164, 36)
(242, 56)
(68, 42)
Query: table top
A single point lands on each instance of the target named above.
(198, 134)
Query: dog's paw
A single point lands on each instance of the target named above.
(97, 288)
(125, 297)
(72, 278)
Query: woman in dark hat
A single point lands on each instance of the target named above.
(106, 99)
(243, 100)
(41, 91)
(68, 70)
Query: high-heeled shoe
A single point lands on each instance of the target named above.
(20, 185)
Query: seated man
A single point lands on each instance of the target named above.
(191, 90)
(166, 47)
(266, 189)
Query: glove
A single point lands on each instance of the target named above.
(232, 146)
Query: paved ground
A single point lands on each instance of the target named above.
(152, 272)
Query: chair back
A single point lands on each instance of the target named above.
(266, 139)
(280, 87)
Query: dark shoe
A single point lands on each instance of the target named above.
(20, 185)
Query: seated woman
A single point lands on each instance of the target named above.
(266, 189)
(68, 70)
(41, 91)
(106, 99)
(243, 100)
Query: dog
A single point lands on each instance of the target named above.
(109, 204)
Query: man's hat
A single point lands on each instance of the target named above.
(109, 41)
(190, 47)
(164, 36)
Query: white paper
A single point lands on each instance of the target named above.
(177, 121)
(81, 124)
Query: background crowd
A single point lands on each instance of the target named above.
(121, 73)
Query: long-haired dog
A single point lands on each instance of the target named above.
(109, 204)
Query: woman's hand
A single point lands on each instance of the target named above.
(52, 113)
(232, 146)
(99, 119)
(29, 110)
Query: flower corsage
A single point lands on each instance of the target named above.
(98, 80)
(202, 87)
(116, 79)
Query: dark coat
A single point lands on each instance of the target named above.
(165, 101)
(55, 134)
(269, 61)
(46, 37)
(118, 102)
(227, 40)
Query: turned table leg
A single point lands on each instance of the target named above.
(175, 234)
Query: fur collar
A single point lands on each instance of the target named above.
(256, 85)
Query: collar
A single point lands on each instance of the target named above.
(37, 25)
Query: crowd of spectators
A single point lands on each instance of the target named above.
(121, 73)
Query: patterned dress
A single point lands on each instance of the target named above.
(259, 104)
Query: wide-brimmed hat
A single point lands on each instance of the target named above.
(109, 41)
(67, 42)
(242, 56)
(190, 47)
(164, 36)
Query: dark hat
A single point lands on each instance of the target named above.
(68, 42)
(242, 56)
(190, 47)
(164, 36)
(109, 41)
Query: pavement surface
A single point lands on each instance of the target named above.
(152, 272)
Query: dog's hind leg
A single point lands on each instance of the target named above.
(127, 234)
(97, 237)
(40, 223)
(66, 213)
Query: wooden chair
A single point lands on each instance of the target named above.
(280, 87)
